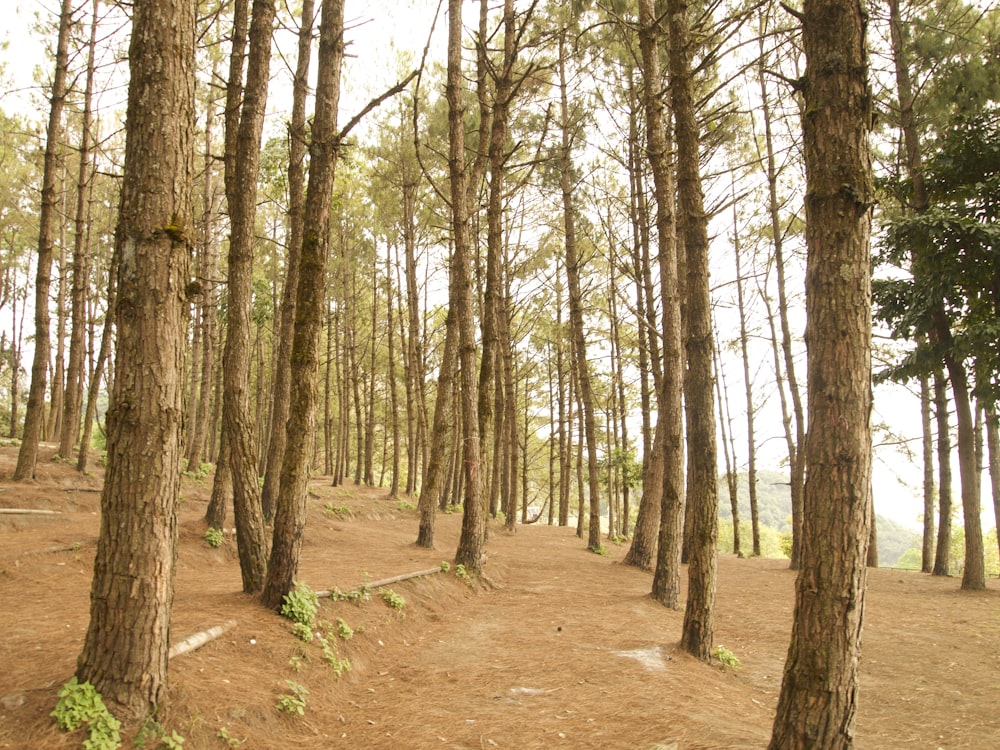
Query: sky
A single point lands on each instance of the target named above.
(378, 32)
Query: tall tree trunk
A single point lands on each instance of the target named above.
(702, 482)
(573, 264)
(751, 439)
(993, 445)
(243, 158)
(473, 537)
(81, 265)
(34, 416)
(942, 558)
(670, 417)
(818, 700)
(927, 444)
(436, 477)
(290, 510)
(722, 396)
(125, 650)
(796, 461)
(296, 195)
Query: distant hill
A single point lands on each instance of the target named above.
(774, 506)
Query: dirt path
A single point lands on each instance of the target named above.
(563, 649)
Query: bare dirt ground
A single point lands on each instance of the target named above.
(559, 648)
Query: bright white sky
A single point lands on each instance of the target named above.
(378, 31)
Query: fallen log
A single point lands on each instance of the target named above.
(27, 512)
(199, 639)
(384, 582)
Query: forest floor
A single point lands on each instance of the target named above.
(557, 648)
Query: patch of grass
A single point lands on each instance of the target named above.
(340, 511)
(295, 701)
(600, 550)
(223, 734)
(393, 599)
(344, 630)
(405, 505)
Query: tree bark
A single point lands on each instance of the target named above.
(34, 416)
(296, 195)
(473, 537)
(290, 510)
(818, 699)
(927, 444)
(942, 558)
(702, 480)
(125, 651)
(81, 265)
(241, 195)
(670, 417)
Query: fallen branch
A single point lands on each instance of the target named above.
(27, 512)
(199, 639)
(385, 581)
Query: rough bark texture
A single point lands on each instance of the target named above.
(927, 449)
(942, 556)
(34, 415)
(473, 538)
(296, 198)
(125, 651)
(290, 509)
(703, 471)
(670, 418)
(816, 708)
(81, 265)
(241, 195)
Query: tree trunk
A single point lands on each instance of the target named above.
(125, 651)
(241, 194)
(34, 416)
(573, 264)
(473, 537)
(818, 700)
(751, 440)
(927, 444)
(296, 189)
(942, 558)
(94, 386)
(670, 416)
(702, 481)
(290, 510)
(993, 445)
(81, 266)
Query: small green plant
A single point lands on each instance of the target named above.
(223, 734)
(300, 605)
(302, 631)
(393, 599)
(199, 473)
(501, 517)
(344, 630)
(340, 511)
(462, 574)
(296, 661)
(405, 505)
(445, 566)
(172, 741)
(79, 704)
(331, 657)
(354, 595)
(727, 657)
(214, 537)
(618, 539)
(600, 549)
(450, 508)
(294, 702)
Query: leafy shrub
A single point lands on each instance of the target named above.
(79, 704)
(214, 537)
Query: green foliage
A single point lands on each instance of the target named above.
(214, 537)
(301, 605)
(344, 630)
(80, 704)
(393, 599)
(445, 566)
(727, 658)
(600, 550)
(354, 596)
(203, 470)
(295, 701)
(405, 505)
(341, 511)
(330, 656)
(172, 741)
(462, 574)
(223, 734)
(302, 631)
